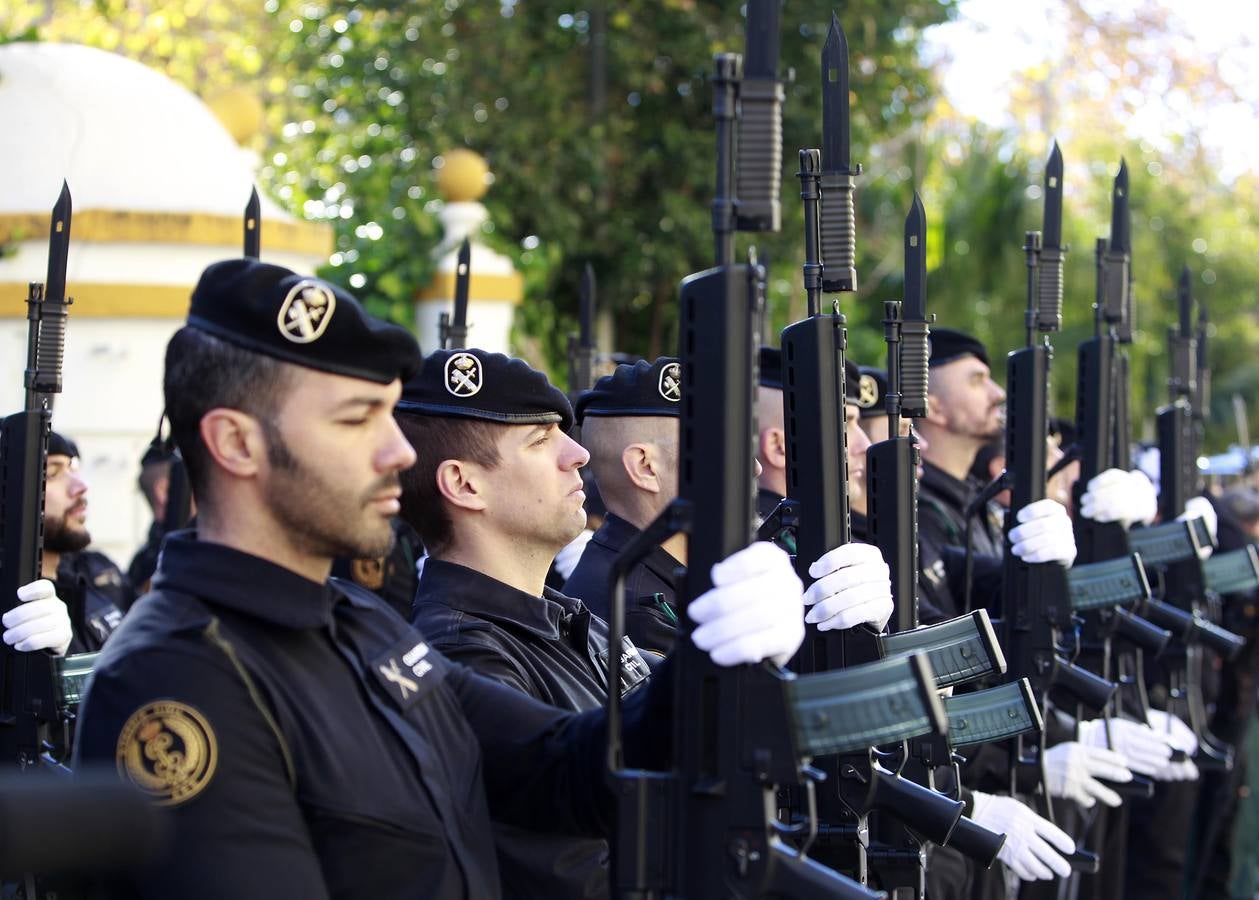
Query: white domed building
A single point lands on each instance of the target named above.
(159, 188)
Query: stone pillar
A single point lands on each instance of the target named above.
(494, 286)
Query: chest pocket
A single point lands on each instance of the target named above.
(633, 669)
(409, 671)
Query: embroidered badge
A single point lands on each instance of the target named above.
(370, 573)
(463, 375)
(867, 392)
(168, 750)
(671, 382)
(404, 672)
(306, 311)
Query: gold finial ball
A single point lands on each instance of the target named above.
(463, 177)
(239, 111)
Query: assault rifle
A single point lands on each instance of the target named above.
(1038, 618)
(452, 332)
(960, 650)
(708, 828)
(817, 482)
(33, 727)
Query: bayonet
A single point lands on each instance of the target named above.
(253, 226)
(1114, 271)
(1052, 252)
(453, 330)
(838, 218)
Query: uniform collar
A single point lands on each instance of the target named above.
(243, 583)
(488, 598)
(615, 533)
(946, 487)
(767, 501)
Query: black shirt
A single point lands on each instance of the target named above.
(942, 502)
(551, 648)
(651, 610)
(308, 742)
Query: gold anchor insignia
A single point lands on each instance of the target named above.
(306, 312)
(168, 750)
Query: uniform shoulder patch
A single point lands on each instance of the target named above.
(168, 750)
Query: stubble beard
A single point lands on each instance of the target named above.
(60, 536)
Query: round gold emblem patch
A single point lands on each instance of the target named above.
(370, 573)
(867, 391)
(168, 750)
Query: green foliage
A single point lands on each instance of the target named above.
(380, 90)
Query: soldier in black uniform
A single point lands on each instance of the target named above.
(154, 481)
(491, 534)
(304, 739)
(629, 424)
(92, 587)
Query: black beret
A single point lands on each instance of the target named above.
(643, 389)
(872, 392)
(771, 368)
(948, 345)
(477, 384)
(60, 445)
(301, 320)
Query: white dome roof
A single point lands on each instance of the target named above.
(124, 136)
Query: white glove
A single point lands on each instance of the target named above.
(42, 622)
(1119, 496)
(1201, 508)
(853, 586)
(1033, 846)
(566, 560)
(1044, 534)
(754, 611)
(1072, 770)
(1141, 746)
(1181, 737)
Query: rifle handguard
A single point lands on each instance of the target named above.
(1049, 290)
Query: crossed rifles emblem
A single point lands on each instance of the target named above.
(306, 312)
(463, 375)
(671, 382)
(393, 674)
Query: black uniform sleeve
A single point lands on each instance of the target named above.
(238, 830)
(488, 661)
(546, 770)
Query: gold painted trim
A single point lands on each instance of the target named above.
(121, 226)
(107, 301)
(510, 288)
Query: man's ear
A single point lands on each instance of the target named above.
(935, 414)
(772, 450)
(459, 483)
(641, 467)
(234, 441)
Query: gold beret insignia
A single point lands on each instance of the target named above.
(867, 391)
(168, 750)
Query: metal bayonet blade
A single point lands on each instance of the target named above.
(253, 225)
(761, 57)
(462, 276)
(836, 131)
(915, 301)
(1120, 241)
(586, 311)
(58, 247)
(1052, 229)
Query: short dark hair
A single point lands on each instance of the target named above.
(437, 439)
(204, 373)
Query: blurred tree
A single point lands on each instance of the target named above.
(596, 123)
